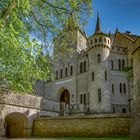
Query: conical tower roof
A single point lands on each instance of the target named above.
(98, 24)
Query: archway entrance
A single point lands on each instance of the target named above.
(16, 125)
(64, 103)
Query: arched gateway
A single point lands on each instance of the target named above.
(64, 102)
(16, 125)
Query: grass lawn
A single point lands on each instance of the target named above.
(77, 138)
(66, 138)
(99, 139)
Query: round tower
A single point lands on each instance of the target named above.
(99, 46)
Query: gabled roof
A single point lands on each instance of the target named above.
(122, 39)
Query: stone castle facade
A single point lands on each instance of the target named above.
(93, 80)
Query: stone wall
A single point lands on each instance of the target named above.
(86, 126)
(135, 131)
(30, 106)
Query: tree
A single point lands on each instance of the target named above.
(21, 57)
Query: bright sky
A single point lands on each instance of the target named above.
(124, 14)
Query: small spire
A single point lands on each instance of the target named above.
(98, 24)
(117, 29)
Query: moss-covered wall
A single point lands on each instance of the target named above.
(99, 125)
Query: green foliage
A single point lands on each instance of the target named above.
(21, 58)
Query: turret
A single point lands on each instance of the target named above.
(99, 45)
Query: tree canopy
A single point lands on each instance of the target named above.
(21, 21)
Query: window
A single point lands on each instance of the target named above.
(105, 40)
(99, 95)
(61, 73)
(91, 42)
(81, 99)
(108, 41)
(114, 110)
(120, 88)
(98, 58)
(56, 75)
(124, 88)
(81, 67)
(84, 99)
(100, 39)
(112, 65)
(123, 64)
(105, 74)
(66, 72)
(95, 40)
(113, 89)
(71, 70)
(92, 76)
(124, 110)
(84, 66)
(119, 64)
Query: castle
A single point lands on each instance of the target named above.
(94, 79)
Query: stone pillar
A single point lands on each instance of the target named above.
(135, 130)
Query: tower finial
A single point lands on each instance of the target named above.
(98, 24)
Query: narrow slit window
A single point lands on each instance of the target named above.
(105, 74)
(98, 58)
(120, 88)
(92, 76)
(99, 95)
(113, 89)
(66, 71)
(71, 70)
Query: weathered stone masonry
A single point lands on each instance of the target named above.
(30, 106)
(86, 126)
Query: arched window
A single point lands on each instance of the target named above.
(85, 66)
(119, 64)
(71, 70)
(120, 88)
(100, 39)
(113, 89)
(105, 74)
(123, 64)
(98, 58)
(92, 76)
(81, 67)
(124, 88)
